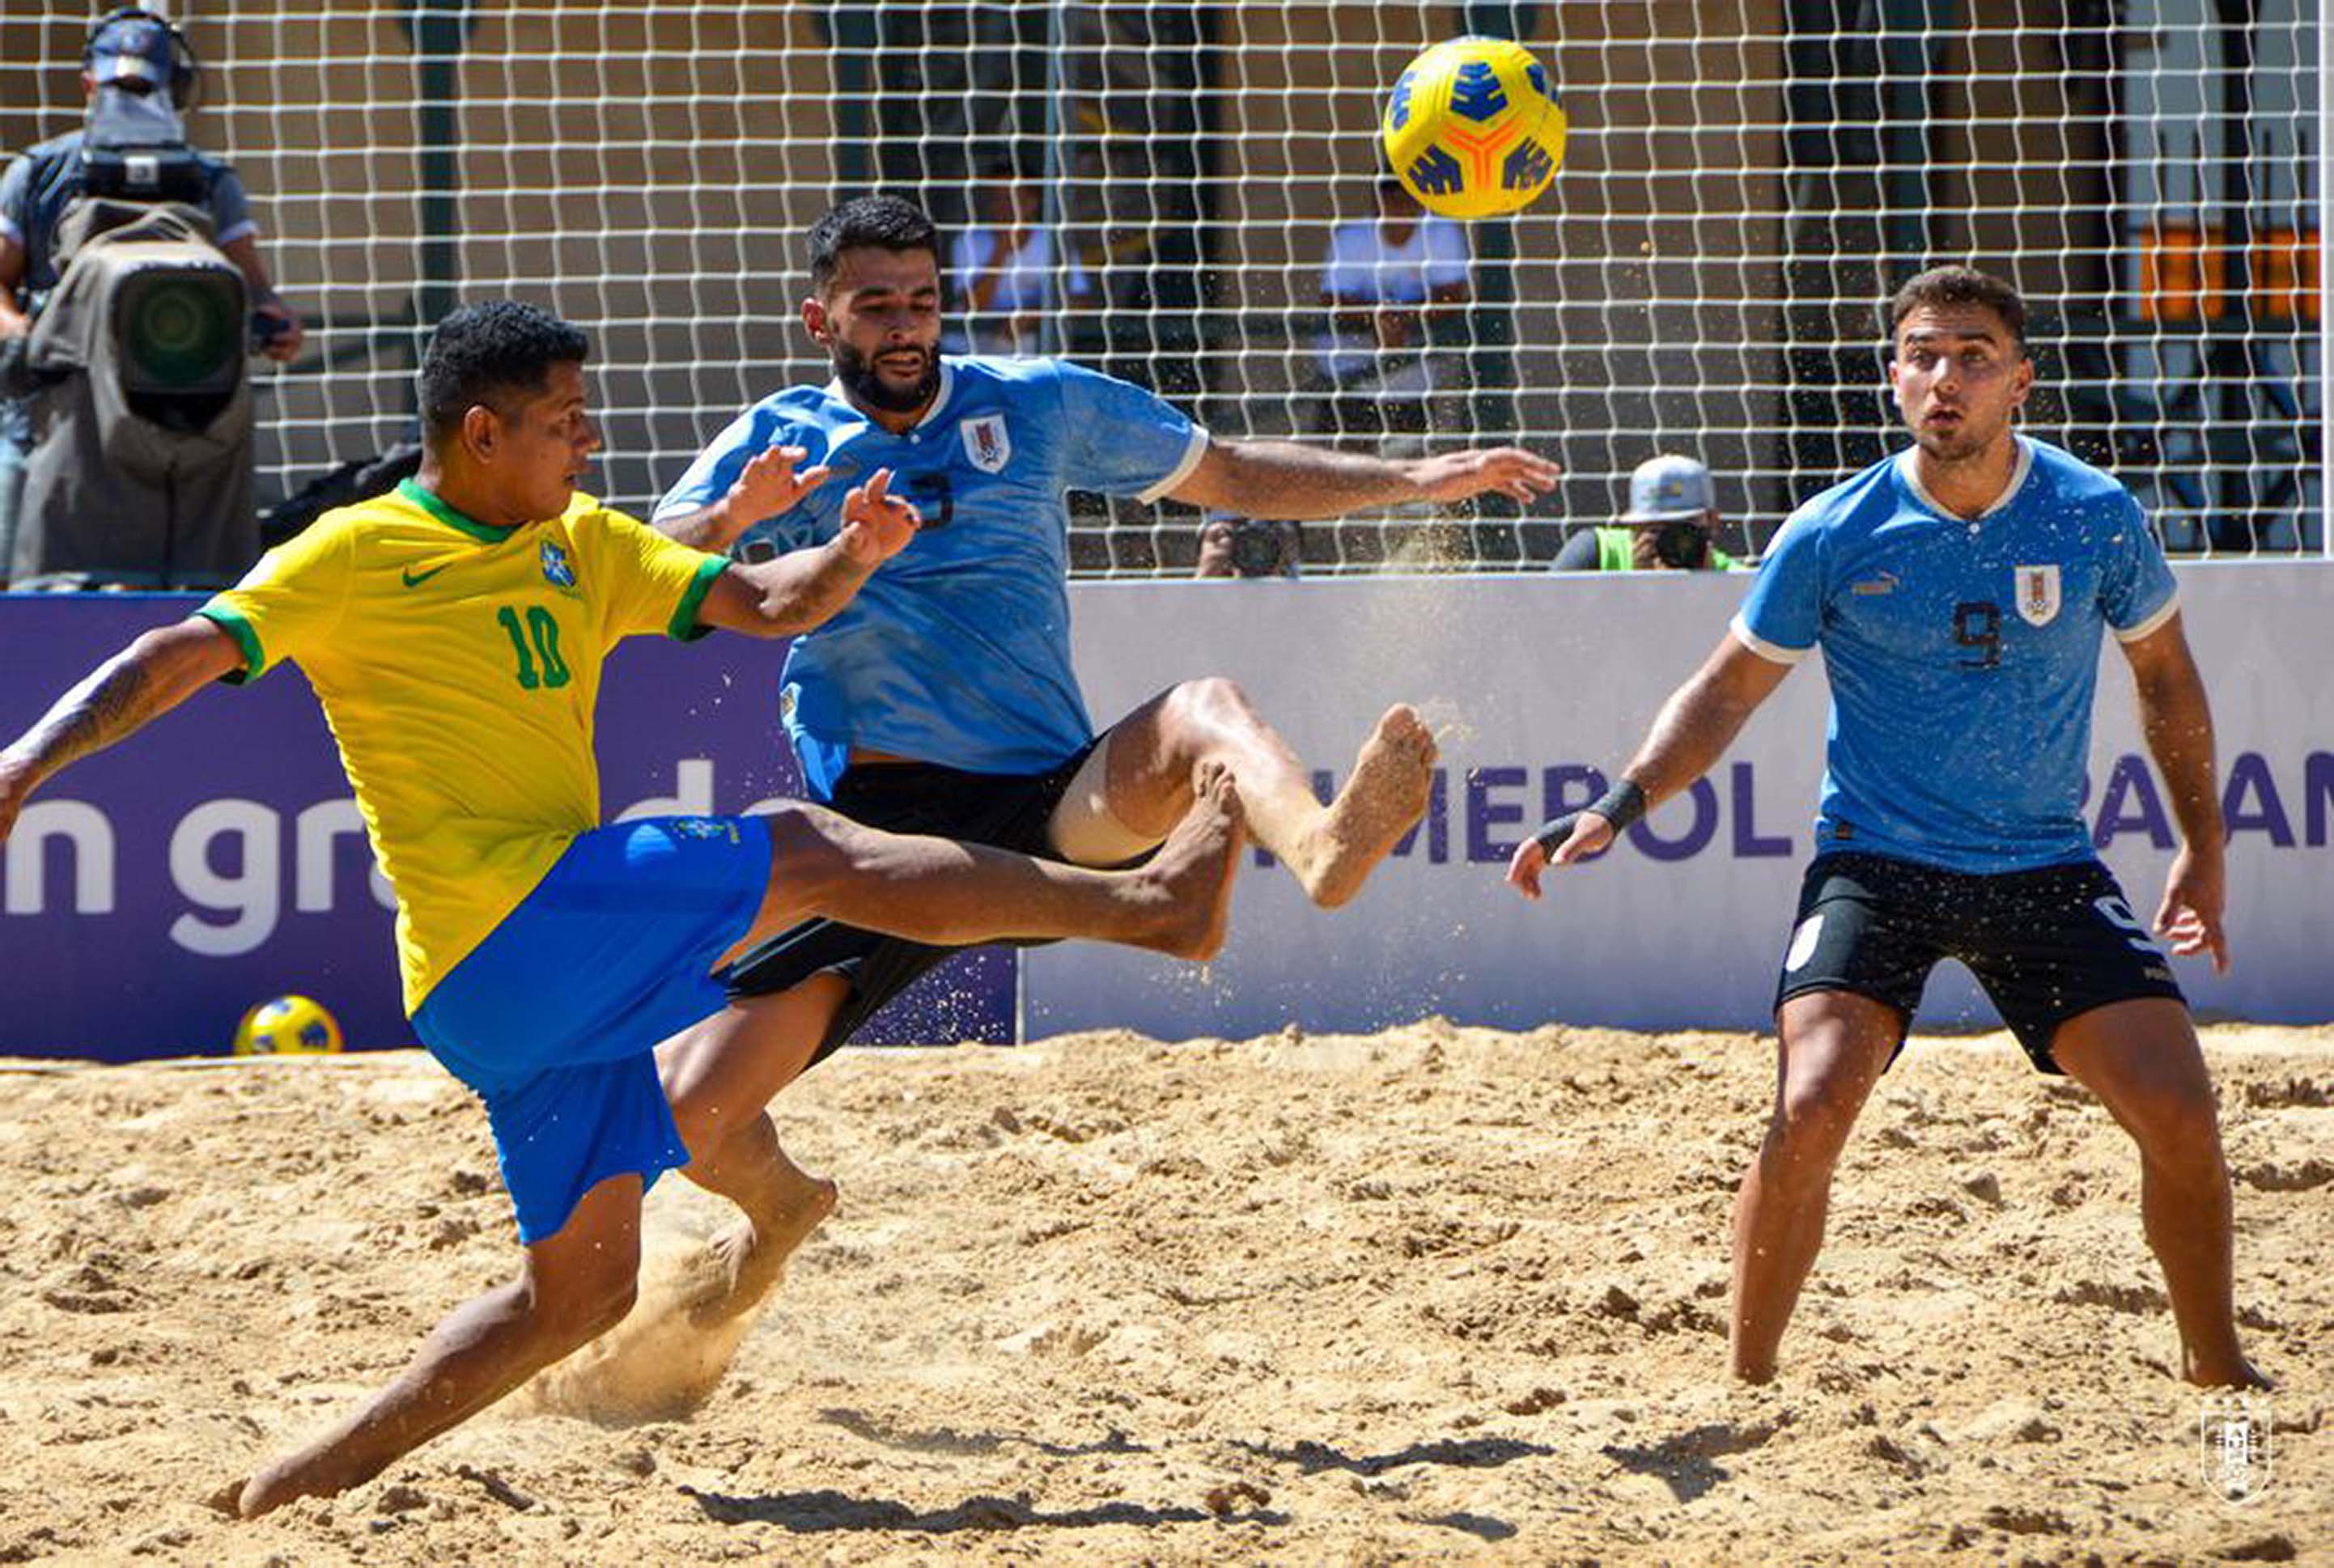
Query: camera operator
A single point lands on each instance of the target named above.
(137, 75)
(1235, 546)
(1673, 515)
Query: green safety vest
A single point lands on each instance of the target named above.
(1615, 554)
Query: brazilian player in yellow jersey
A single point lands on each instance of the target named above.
(474, 764)
(454, 632)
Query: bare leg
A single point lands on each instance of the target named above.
(951, 894)
(577, 1284)
(2141, 1059)
(1833, 1049)
(1331, 849)
(718, 1077)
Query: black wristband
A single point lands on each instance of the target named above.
(1622, 804)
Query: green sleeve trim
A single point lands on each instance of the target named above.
(254, 657)
(1615, 549)
(683, 624)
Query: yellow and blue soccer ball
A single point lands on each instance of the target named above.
(1472, 129)
(287, 1026)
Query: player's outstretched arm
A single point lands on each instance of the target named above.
(1285, 481)
(803, 588)
(153, 675)
(2176, 718)
(1691, 733)
(767, 486)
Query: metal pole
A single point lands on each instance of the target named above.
(438, 31)
(1052, 204)
(2325, 293)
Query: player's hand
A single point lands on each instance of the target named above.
(1591, 833)
(876, 524)
(1510, 471)
(2189, 918)
(768, 485)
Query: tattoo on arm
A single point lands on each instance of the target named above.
(696, 529)
(95, 714)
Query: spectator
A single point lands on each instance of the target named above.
(135, 69)
(1004, 268)
(1389, 283)
(1673, 515)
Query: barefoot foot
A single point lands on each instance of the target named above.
(318, 1471)
(750, 1258)
(1190, 878)
(1383, 800)
(2232, 1372)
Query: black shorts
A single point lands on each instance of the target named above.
(1007, 811)
(2045, 944)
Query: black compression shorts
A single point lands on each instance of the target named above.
(2045, 944)
(1007, 811)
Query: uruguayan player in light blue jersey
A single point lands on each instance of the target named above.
(943, 692)
(1959, 590)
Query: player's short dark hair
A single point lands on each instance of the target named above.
(492, 353)
(1959, 285)
(886, 222)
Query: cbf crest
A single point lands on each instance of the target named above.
(2037, 594)
(987, 447)
(555, 568)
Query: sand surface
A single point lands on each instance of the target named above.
(1436, 1293)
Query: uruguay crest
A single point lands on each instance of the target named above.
(986, 444)
(2234, 1444)
(555, 569)
(2037, 594)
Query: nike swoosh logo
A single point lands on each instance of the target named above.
(416, 579)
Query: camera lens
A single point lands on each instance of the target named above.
(178, 331)
(1682, 544)
(1258, 549)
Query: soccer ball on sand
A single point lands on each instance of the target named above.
(1471, 129)
(287, 1026)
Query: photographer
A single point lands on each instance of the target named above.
(137, 75)
(1236, 546)
(1673, 515)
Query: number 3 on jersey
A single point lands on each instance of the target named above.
(542, 666)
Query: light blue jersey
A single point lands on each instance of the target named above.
(957, 650)
(1962, 655)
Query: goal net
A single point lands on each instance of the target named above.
(1155, 188)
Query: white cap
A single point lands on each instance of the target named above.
(1669, 487)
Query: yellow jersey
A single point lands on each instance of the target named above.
(459, 664)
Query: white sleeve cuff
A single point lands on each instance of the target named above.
(1192, 452)
(2153, 624)
(228, 236)
(1759, 645)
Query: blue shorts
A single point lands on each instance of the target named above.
(554, 1019)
